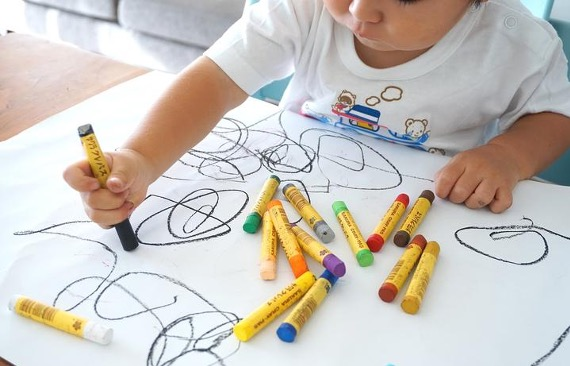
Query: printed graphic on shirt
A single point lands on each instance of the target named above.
(367, 118)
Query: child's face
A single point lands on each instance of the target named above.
(398, 25)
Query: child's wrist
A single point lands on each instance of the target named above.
(517, 159)
(146, 167)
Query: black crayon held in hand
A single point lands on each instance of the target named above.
(101, 171)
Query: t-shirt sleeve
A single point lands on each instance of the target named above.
(262, 45)
(549, 86)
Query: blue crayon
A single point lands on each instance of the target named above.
(293, 323)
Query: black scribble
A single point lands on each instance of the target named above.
(500, 248)
(503, 244)
(326, 157)
(189, 329)
(201, 215)
(555, 346)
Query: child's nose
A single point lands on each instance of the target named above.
(367, 11)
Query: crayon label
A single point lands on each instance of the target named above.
(385, 227)
(303, 206)
(96, 158)
(310, 245)
(268, 239)
(351, 231)
(263, 315)
(309, 303)
(416, 215)
(422, 276)
(51, 316)
(284, 232)
(267, 192)
(404, 266)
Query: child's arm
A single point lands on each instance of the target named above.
(487, 175)
(188, 110)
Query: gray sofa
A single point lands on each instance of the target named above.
(160, 34)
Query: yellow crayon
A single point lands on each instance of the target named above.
(308, 213)
(101, 171)
(402, 269)
(384, 228)
(353, 235)
(253, 220)
(268, 264)
(287, 238)
(415, 293)
(301, 313)
(319, 252)
(60, 319)
(269, 310)
(414, 218)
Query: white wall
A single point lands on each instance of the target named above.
(561, 10)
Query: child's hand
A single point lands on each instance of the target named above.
(483, 176)
(126, 186)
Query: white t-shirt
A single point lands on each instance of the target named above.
(497, 64)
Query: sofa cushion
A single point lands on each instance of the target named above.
(102, 9)
(179, 19)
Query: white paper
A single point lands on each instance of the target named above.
(498, 295)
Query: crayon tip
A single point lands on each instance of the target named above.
(335, 265)
(402, 238)
(364, 258)
(387, 292)
(267, 270)
(127, 236)
(410, 305)
(375, 242)
(298, 265)
(286, 332)
(251, 223)
(324, 232)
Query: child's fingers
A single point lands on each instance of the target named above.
(80, 177)
(107, 218)
(445, 180)
(483, 195)
(463, 188)
(502, 201)
(455, 181)
(103, 199)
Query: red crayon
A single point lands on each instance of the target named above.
(384, 228)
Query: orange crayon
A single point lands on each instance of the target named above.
(287, 237)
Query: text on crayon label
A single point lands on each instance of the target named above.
(265, 195)
(416, 215)
(351, 232)
(50, 316)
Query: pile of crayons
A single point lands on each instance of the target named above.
(306, 289)
(309, 291)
